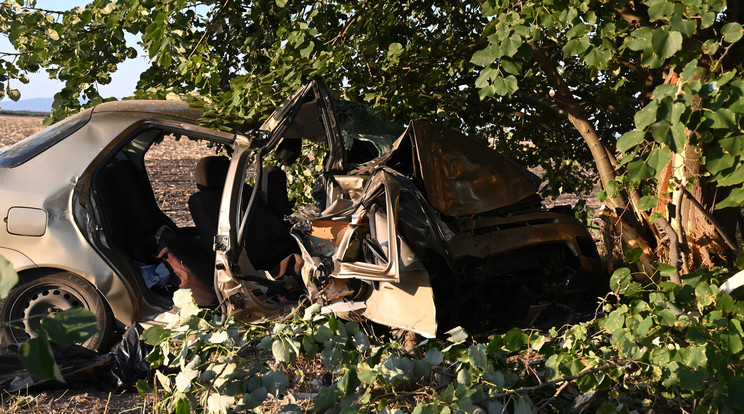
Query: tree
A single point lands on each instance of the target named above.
(642, 94)
(670, 67)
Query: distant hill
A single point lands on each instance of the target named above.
(30, 105)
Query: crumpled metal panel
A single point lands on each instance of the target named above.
(461, 175)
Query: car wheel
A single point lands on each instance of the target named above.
(27, 304)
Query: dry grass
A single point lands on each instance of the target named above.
(75, 402)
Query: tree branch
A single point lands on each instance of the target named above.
(208, 28)
(555, 382)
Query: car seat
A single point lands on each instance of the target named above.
(130, 210)
(274, 182)
(204, 205)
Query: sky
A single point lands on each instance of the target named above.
(123, 81)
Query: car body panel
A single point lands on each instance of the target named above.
(460, 175)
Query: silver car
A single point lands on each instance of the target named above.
(419, 230)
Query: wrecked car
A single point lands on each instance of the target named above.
(419, 230)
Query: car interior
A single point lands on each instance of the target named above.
(138, 230)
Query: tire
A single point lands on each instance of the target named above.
(27, 304)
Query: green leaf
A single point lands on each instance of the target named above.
(523, 406)
(664, 90)
(639, 170)
(367, 375)
(511, 45)
(505, 86)
(14, 94)
(615, 320)
(36, 356)
(511, 66)
(72, 326)
(477, 357)
(736, 393)
(156, 334)
(646, 116)
(456, 335)
(275, 382)
(732, 178)
(281, 3)
(434, 356)
(361, 341)
(716, 160)
(740, 260)
(8, 277)
(665, 44)
(692, 379)
(665, 317)
(575, 47)
(658, 158)
(665, 269)
(324, 334)
(311, 311)
(143, 388)
(333, 323)
(280, 350)
(732, 32)
(734, 199)
(690, 71)
(660, 9)
(694, 356)
(646, 203)
(485, 57)
(629, 140)
(597, 57)
(709, 47)
(621, 278)
(307, 50)
(613, 188)
(661, 131)
(678, 138)
(421, 368)
(722, 119)
(253, 399)
(483, 79)
(640, 39)
(514, 340)
(685, 26)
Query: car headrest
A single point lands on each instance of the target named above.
(288, 151)
(211, 172)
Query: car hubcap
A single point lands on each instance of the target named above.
(40, 302)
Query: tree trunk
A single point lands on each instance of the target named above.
(629, 235)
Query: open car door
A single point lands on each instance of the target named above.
(307, 114)
(388, 282)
